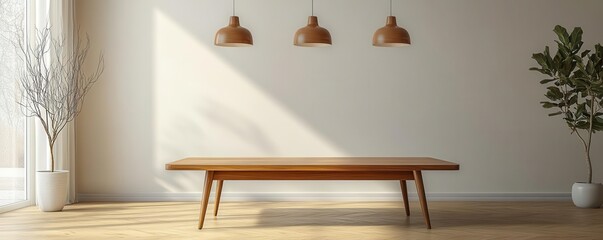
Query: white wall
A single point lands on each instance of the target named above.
(462, 92)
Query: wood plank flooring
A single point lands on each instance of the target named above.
(306, 220)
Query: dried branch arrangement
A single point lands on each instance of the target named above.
(54, 81)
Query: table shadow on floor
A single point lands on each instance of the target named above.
(275, 217)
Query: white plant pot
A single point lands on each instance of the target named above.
(587, 195)
(51, 190)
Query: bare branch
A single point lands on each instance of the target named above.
(54, 83)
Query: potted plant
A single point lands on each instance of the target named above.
(575, 92)
(53, 85)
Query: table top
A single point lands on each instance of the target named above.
(312, 164)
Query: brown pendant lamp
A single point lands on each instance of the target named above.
(233, 35)
(391, 35)
(312, 35)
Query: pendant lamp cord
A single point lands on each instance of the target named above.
(390, 7)
(233, 8)
(312, 7)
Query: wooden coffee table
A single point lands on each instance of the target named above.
(313, 168)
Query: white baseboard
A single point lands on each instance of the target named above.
(324, 196)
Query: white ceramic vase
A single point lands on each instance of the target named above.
(51, 190)
(587, 195)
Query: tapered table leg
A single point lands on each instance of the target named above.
(422, 198)
(218, 195)
(209, 178)
(405, 196)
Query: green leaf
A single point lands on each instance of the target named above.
(555, 92)
(541, 60)
(575, 39)
(554, 114)
(543, 71)
(545, 81)
(581, 82)
(561, 104)
(567, 67)
(548, 104)
(563, 50)
(569, 116)
(561, 34)
(590, 68)
(582, 125)
(581, 108)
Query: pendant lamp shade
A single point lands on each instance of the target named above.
(391, 35)
(233, 35)
(312, 35)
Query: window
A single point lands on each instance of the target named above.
(14, 175)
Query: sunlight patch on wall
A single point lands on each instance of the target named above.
(204, 107)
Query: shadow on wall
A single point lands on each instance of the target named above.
(240, 112)
(333, 91)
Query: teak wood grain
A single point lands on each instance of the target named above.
(313, 164)
(312, 175)
(313, 168)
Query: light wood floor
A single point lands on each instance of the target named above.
(306, 220)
